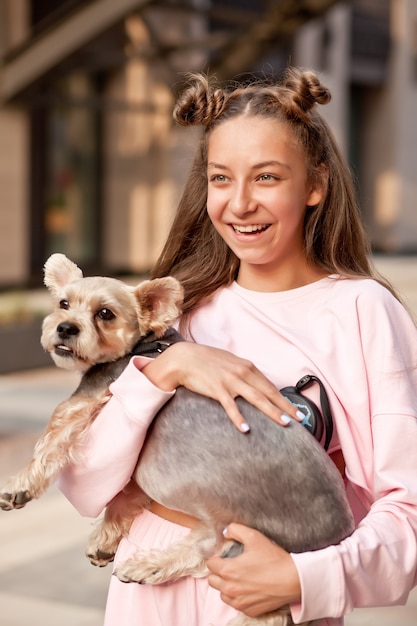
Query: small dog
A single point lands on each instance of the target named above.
(93, 329)
(276, 479)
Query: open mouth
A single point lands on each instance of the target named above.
(250, 228)
(64, 351)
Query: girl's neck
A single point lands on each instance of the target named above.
(290, 278)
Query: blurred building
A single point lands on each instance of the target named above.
(90, 162)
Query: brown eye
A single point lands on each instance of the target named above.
(64, 304)
(106, 314)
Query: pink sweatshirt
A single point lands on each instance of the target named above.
(356, 337)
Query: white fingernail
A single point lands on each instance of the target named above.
(285, 418)
(300, 415)
(245, 428)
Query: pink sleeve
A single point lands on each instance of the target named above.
(377, 564)
(112, 447)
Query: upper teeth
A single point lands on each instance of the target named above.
(251, 228)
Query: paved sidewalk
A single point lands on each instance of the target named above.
(45, 580)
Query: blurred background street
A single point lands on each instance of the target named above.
(44, 577)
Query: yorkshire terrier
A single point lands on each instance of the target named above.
(276, 479)
(93, 329)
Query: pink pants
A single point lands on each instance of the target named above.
(185, 602)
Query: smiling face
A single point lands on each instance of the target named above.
(257, 197)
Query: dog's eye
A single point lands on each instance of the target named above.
(106, 314)
(64, 304)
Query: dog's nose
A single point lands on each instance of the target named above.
(66, 329)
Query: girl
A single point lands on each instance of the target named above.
(268, 244)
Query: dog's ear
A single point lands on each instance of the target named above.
(59, 271)
(160, 303)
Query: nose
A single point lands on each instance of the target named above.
(67, 329)
(242, 201)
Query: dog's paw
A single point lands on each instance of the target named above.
(100, 558)
(100, 549)
(133, 571)
(17, 500)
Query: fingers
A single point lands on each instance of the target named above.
(228, 403)
(273, 404)
(242, 534)
(261, 579)
(233, 579)
(222, 376)
(233, 413)
(256, 389)
(250, 538)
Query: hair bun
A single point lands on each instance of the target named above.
(199, 104)
(307, 89)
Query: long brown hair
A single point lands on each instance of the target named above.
(334, 237)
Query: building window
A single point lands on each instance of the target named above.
(66, 168)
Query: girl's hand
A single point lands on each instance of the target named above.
(262, 579)
(222, 376)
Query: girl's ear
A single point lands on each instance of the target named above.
(315, 197)
(318, 185)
